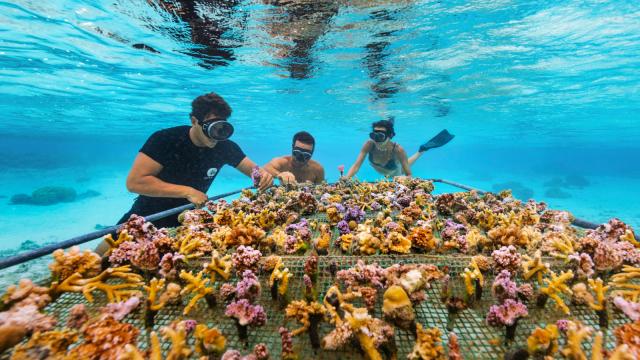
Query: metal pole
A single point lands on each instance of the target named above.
(48, 249)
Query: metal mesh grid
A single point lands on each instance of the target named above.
(477, 340)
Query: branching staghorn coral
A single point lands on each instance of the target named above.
(123, 236)
(198, 287)
(625, 284)
(555, 286)
(577, 333)
(156, 301)
(600, 303)
(179, 349)
(128, 285)
(193, 243)
(534, 267)
(218, 266)
(558, 244)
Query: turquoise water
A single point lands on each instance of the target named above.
(542, 96)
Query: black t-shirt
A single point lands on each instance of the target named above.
(184, 163)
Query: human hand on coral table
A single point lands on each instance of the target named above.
(196, 197)
(286, 178)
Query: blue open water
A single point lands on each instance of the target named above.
(543, 96)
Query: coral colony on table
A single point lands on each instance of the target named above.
(348, 270)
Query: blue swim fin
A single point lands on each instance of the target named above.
(442, 138)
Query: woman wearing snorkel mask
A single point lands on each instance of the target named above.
(389, 158)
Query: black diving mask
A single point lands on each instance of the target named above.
(216, 129)
(378, 136)
(301, 155)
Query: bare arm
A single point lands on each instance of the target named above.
(143, 179)
(404, 161)
(363, 153)
(320, 178)
(246, 167)
(274, 166)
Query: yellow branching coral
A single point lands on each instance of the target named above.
(472, 276)
(576, 334)
(193, 243)
(600, 290)
(559, 245)
(86, 263)
(266, 219)
(428, 346)
(366, 328)
(195, 285)
(630, 237)
(277, 237)
(209, 341)
(397, 243)
(281, 275)
(475, 238)
(534, 267)
(625, 284)
(179, 348)
(128, 285)
(486, 219)
(219, 265)
(113, 244)
(157, 297)
(543, 342)
(556, 286)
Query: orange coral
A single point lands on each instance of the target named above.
(422, 237)
(52, 343)
(219, 265)
(244, 235)
(397, 243)
(128, 285)
(629, 334)
(209, 341)
(428, 346)
(86, 263)
(104, 339)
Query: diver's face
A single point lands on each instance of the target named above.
(301, 153)
(199, 134)
(381, 144)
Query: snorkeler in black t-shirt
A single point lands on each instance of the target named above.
(177, 165)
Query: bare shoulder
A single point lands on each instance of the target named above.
(400, 149)
(368, 145)
(316, 166)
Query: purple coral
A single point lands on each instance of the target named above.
(391, 226)
(563, 325)
(249, 287)
(583, 264)
(256, 176)
(121, 309)
(168, 264)
(631, 309)
(364, 275)
(287, 342)
(245, 313)
(300, 229)
(291, 244)
(503, 287)
(507, 258)
(246, 258)
(343, 227)
(227, 291)
(506, 314)
(354, 213)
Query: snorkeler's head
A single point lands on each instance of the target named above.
(210, 105)
(302, 146)
(382, 130)
(211, 113)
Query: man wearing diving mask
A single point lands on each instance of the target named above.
(177, 165)
(297, 167)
